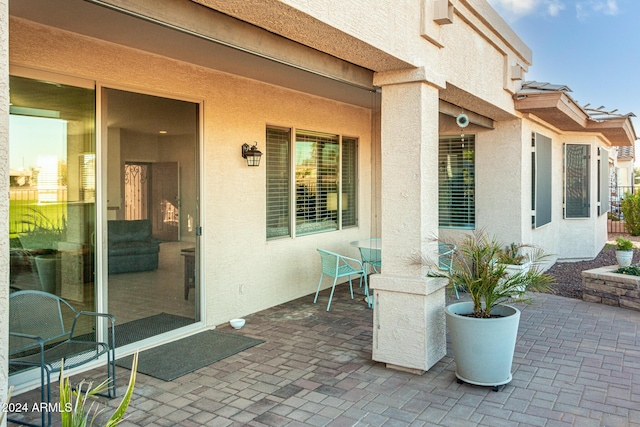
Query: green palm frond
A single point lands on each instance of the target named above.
(477, 270)
(75, 410)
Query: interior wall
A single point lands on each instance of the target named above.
(181, 149)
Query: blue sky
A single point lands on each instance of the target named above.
(592, 46)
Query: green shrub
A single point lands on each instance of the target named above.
(623, 244)
(632, 270)
(630, 206)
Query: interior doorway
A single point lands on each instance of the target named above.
(136, 191)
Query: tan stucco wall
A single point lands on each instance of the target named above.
(236, 111)
(4, 201)
(474, 53)
(566, 239)
(503, 190)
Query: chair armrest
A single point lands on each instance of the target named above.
(38, 340)
(347, 259)
(110, 317)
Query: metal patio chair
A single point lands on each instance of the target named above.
(445, 260)
(42, 334)
(336, 266)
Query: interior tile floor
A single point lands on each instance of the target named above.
(137, 295)
(576, 364)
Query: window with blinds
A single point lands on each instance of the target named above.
(349, 178)
(576, 180)
(278, 142)
(324, 187)
(456, 179)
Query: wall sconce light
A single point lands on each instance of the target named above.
(252, 154)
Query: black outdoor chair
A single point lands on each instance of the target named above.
(42, 334)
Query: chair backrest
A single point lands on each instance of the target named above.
(38, 314)
(445, 256)
(329, 262)
(371, 256)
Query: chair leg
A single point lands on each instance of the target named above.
(455, 288)
(48, 400)
(366, 289)
(351, 287)
(111, 360)
(333, 288)
(318, 291)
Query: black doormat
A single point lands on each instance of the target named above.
(137, 330)
(175, 359)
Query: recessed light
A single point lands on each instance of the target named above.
(162, 132)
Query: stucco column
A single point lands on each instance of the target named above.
(409, 321)
(4, 201)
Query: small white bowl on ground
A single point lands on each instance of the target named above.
(237, 323)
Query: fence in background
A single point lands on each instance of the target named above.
(615, 224)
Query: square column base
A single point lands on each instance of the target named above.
(409, 327)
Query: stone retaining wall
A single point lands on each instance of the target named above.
(603, 286)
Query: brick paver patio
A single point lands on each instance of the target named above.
(576, 364)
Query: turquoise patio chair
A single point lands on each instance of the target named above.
(445, 260)
(336, 266)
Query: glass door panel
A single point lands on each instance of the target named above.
(53, 191)
(152, 152)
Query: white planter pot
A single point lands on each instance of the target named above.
(624, 258)
(48, 272)
(483, 348)
(513, 269)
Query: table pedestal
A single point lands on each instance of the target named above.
(189, 255)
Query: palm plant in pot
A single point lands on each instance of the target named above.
(483, 331)
(624, 252)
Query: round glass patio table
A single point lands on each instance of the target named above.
(371, 243)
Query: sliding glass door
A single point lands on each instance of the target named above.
(148, 201)
(152, 215)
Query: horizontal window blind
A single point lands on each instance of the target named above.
(317, 182)
(349, 184)
(278, 142)
(456, 178)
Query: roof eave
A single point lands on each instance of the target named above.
(561, 111)
(618, 130)
(556, 108)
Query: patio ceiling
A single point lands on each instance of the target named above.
(552, 104)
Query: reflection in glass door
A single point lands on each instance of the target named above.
(152, 184)
(53, 190)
